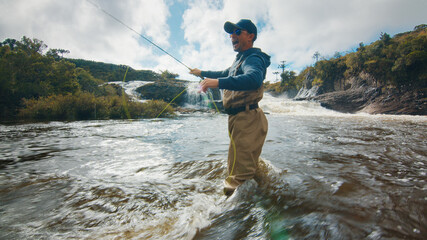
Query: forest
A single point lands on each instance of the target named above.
(40, 87)
(37, 83)
(398, 62)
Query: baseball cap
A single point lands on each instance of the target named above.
(243, 24)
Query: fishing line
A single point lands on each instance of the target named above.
(171, 102)
(139, 34)
(148, 40)
(161, 49)
(125, 105)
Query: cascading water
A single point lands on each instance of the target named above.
(327, 175)
(195, 98)
(130, 88)
(283, 105)
(306, 93)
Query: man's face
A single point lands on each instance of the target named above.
(241, 40)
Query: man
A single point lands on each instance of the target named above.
(243, 89)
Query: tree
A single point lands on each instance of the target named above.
(287, 78)
(276, 73)
(31, 47)
(337, 54)
(361, 47)
(316, 56)
(385, 38)
(420, 27)
(9, 42)
(55, 53)
(168, 75)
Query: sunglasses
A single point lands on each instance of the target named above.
(237, 32)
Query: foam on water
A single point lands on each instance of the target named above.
(286, 106)
(130, 88)
(325, 175)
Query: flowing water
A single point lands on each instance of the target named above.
(130, 88)
(325, 175)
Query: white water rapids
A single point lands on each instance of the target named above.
(327, 175)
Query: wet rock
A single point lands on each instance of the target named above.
(349, 101)
(165, 90)
(393, 102)
(360, 94)
(375, 101)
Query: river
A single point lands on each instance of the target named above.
(326, 175)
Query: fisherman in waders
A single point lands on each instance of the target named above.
(243, 89)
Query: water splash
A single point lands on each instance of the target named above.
(195, 98)
(130, 88)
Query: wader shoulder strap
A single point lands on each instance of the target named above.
(240, 64)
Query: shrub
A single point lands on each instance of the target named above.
(84, 106)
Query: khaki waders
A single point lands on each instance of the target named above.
(248, 130)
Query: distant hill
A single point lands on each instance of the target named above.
(39, 85)
(386, 76)
(111, 72)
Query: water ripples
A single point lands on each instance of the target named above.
(323, 177)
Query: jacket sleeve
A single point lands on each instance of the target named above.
(215, 74)
(253, 75)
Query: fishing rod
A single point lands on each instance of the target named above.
(139, 34)
(148, 40)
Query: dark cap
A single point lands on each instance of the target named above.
(243, 24)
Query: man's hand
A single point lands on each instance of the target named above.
(196, 72)
(208, 83)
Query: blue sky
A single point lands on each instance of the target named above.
(192, 31)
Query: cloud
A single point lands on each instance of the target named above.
(86, 31)
(290, 30)
(294, 30)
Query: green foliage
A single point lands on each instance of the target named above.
(420, 27)
(151, 109)
(55, 53)
(111, 72)
(48, 87)
(26, 73)
(327, 71)
(168, 75)
(399, 62)
(317, 82)
(84, 105)
(163, 89)
(394, 62)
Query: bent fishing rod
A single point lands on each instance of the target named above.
(148, 40)
(139, 34)
(154, 44)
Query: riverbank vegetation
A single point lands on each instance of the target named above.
(38, 86)
(398, 62)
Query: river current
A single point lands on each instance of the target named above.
(325, 175)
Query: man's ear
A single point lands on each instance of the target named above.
(252, 36)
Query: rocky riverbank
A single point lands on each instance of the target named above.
(361, 95)
(375, 101)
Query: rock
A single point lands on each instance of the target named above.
(361, 95)
(349, 101)
(393, 102)
(373, 101)
(165, 90)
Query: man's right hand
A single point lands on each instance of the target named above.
(196, 72)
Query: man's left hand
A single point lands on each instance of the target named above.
(208, 83)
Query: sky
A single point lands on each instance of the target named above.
(192, 31)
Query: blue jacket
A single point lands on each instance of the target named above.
(250, 74)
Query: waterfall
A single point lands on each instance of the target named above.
(197, 99)
(282, 105)
(130, 87)
(305, 93)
